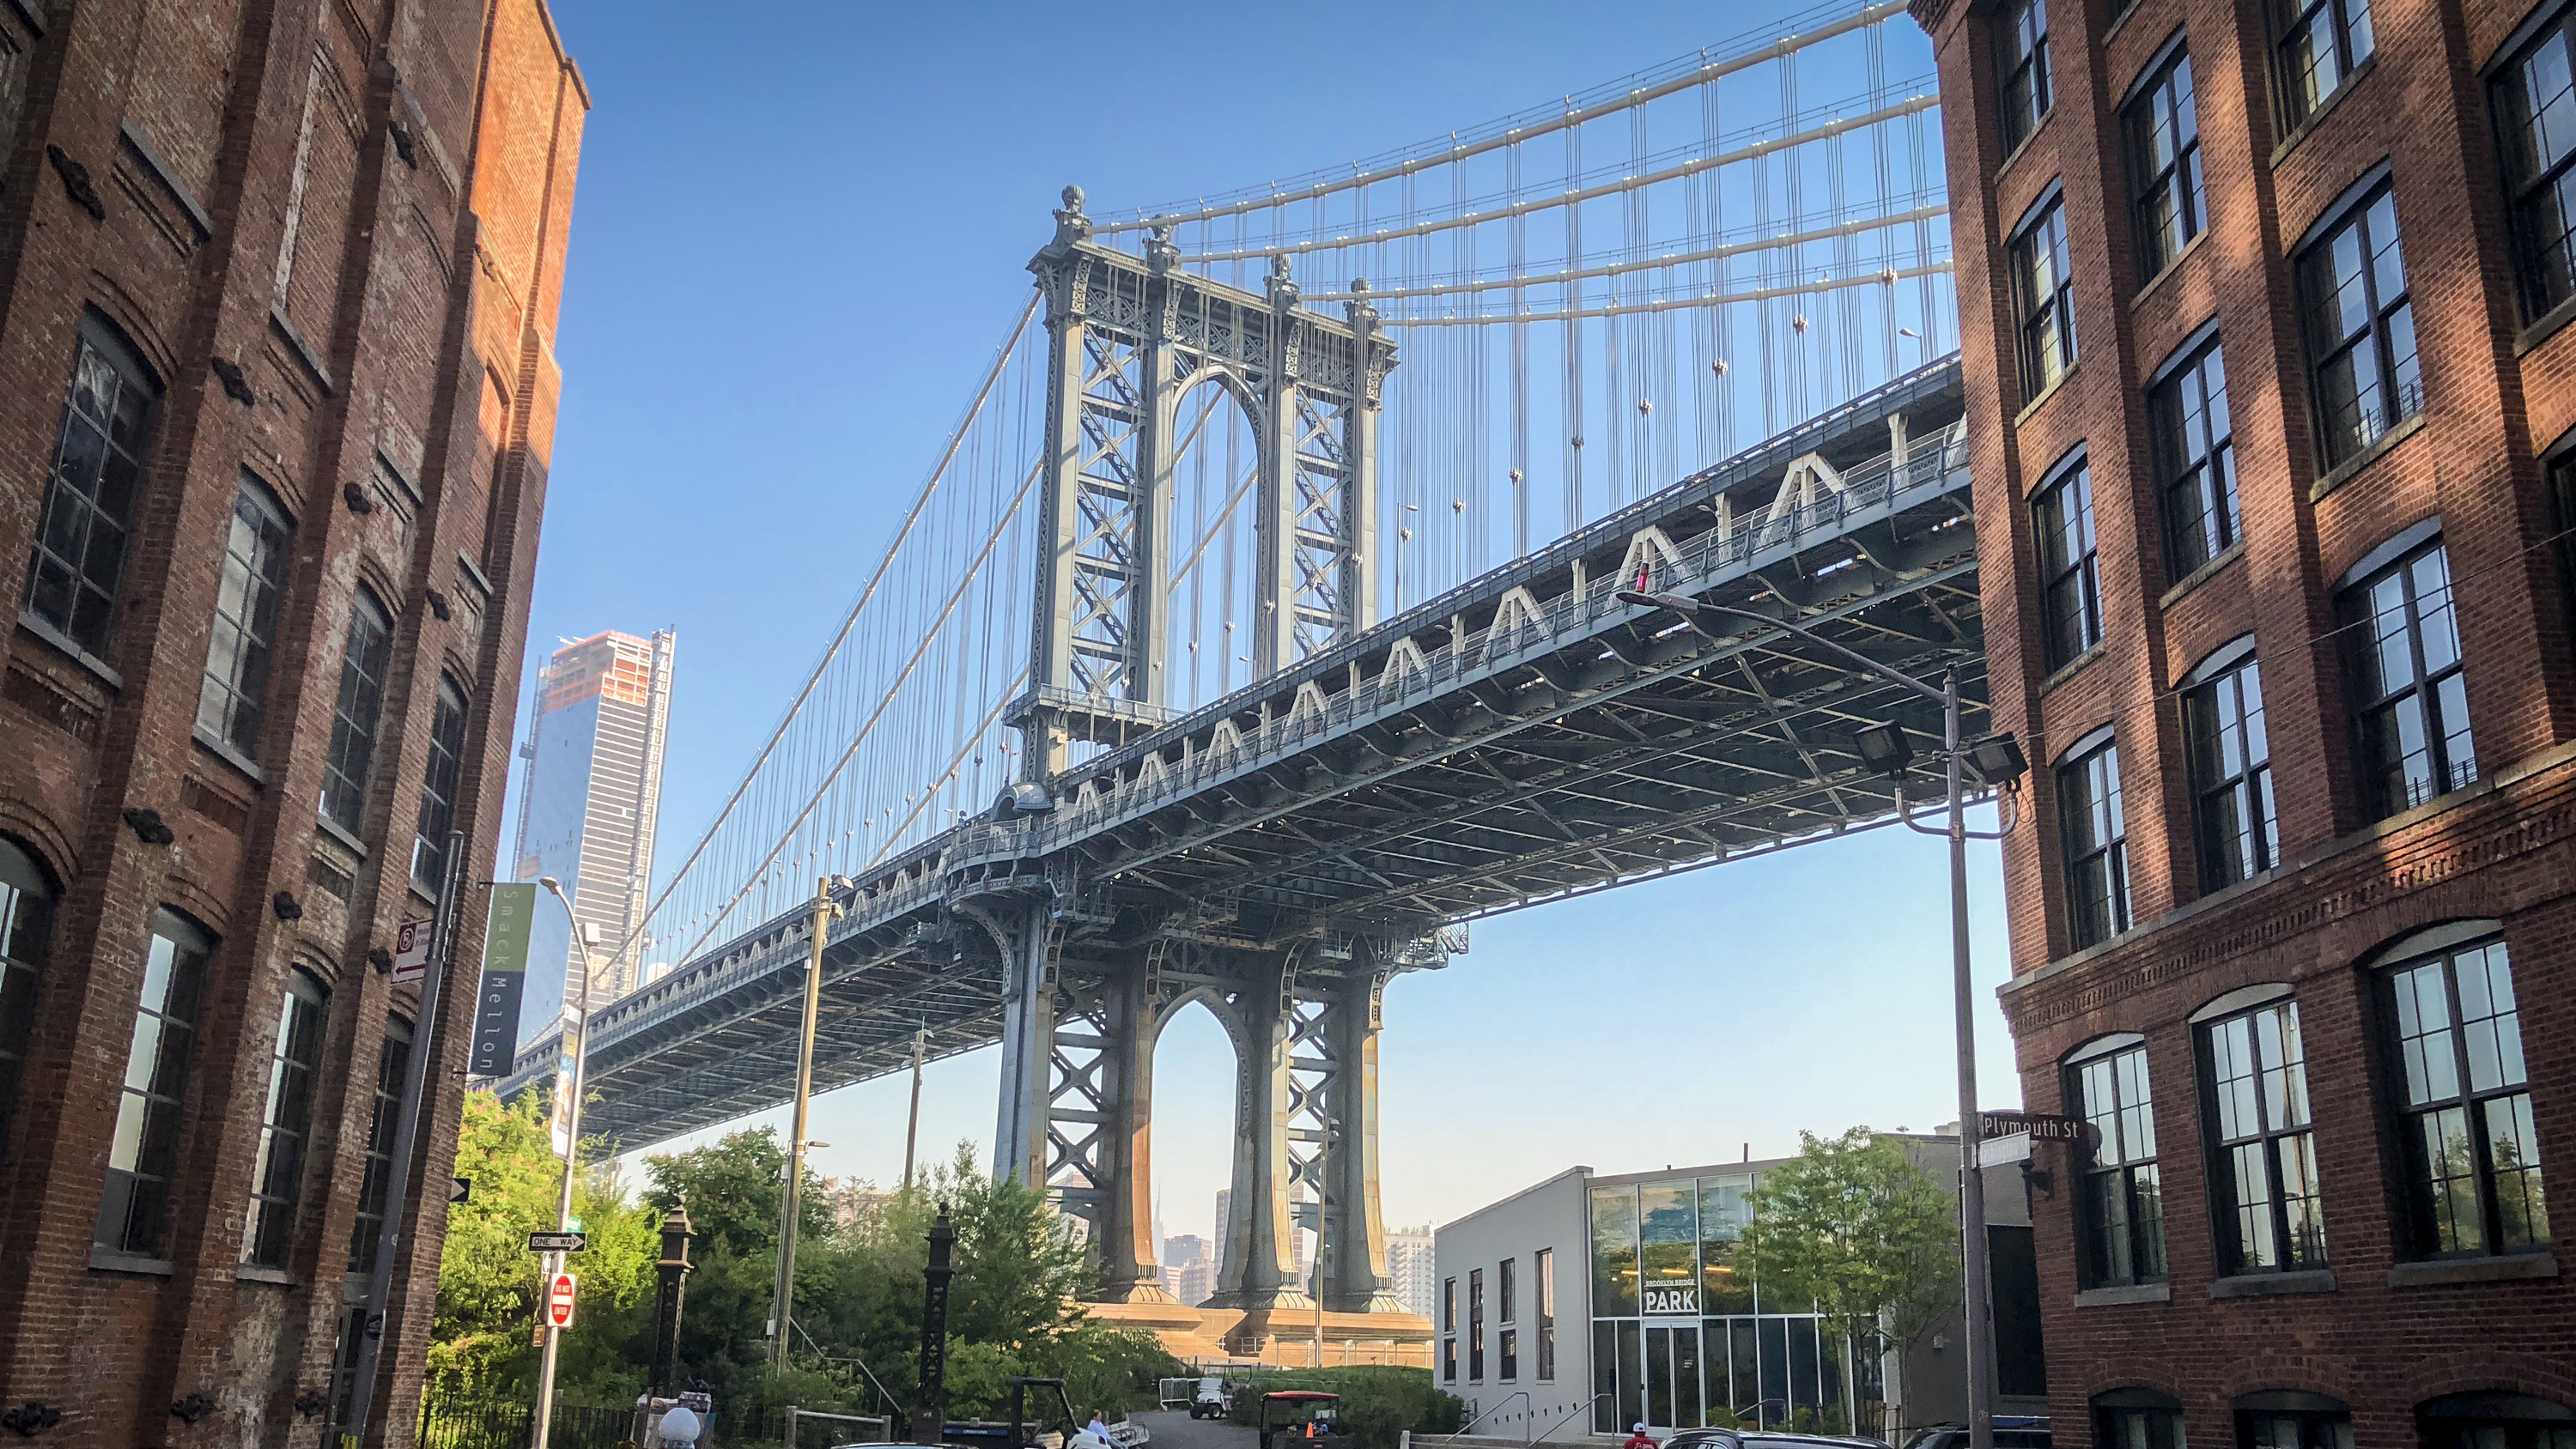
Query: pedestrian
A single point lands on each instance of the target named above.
(1638, 1440)
(1098, 1425)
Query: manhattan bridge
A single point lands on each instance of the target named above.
(1255, 630)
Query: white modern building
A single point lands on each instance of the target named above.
(1587, 1303)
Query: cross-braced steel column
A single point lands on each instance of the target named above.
(1119, 1162)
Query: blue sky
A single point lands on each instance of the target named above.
(800, 230)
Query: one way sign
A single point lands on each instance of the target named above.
(459, 1189)
(557, 1242)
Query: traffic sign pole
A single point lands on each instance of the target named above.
(424, 1043)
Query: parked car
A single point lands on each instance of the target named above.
(1762, 1439)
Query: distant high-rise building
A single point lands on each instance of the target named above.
(1195, 1283)
(1408, 1262)
(1182, 1253)
(594, 755)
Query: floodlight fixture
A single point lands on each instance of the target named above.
(1998, 758)
(1883, 748)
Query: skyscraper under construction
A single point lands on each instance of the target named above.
(594, 786)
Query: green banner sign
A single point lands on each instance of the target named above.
(505, 976)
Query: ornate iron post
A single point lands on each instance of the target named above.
(664, 1371)
(930, 1412)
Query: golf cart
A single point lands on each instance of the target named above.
(1302, 1419)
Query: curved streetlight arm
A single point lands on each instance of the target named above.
(572, 1154)
(2010, 809)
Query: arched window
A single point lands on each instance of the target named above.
(26, 922)
(2497, 1421)
(438, 788)
(288, 1121)
(2453, 1032)
(2120, 1195)
(2290, 1419)
(144, 1153)
(355, 719)
(2137, 1419)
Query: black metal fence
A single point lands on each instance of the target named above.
(451, 1425)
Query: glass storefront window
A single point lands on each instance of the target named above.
(1668, 1270)
(1614, 1253)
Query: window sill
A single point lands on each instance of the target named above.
(2118, 23)
(2018, 152)
(2040, 400)
(2315, 118)
(2544, 327)
(2071, 668)
(2156, 282)
(69, 646)
(224, 751)
(334, 829)
(2203, 574)
(2380, 447)
(2473, 1270)
(304, 351)
(2125, 1293)
(251, 1273)
(425, 894)
(110, 1260)
(2269, 1285)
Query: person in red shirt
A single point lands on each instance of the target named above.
(1638, 1440)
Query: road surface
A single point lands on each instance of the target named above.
(1175, 1429)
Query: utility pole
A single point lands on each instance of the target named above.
(424, 1037)
(912, 1124)
(783, 1299)
(584, 936)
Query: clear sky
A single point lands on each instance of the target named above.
(799, 232)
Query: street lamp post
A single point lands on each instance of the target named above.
(783, 1296)
(581, 940)
(1999, 760)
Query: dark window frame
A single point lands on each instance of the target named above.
(2227, 754)
(286, 1123)
(2168, 195)
(2191, 435)
(247, 609)
(27, 897)
(2044, 337)
(2022, 81)
(393, 1060)
(1475, 1325)
(1543, 1284)
(2401, 983)
(2529, 174)
(2119, 1205)
(2093, 916)
(2260, 1133)
(2067, 551)
(2137, 1419)
(96, 479)
(2301, 80)
(131, 1219)
(357, 717)
(1449, 1330)
(2434, 690)
(2383, 344)
(439, 781)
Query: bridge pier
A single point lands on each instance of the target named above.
(1353, 1247)
(1256, 1267)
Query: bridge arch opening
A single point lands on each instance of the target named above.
(1196, 1059)
(1213, 584)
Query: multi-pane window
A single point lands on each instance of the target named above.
(2121, 1200)
(2234, 817)
(1475, 1325)
(2136, 1419)
(2534, 99)
(2319, 43)
(391, 1064)
(26, 920)
(2360, 328)
(2043, 298)
(2194, 446)
(286, 1123)
(1449, 1329)
(245, 629)
(2410, 699)
(2094, 841)
(79, 557)
(2070, 572)
(358, 713)
(2164, 163)
(2474, 1163)
(438, 788)
(1543, 1280)
(143, 1153)
(2266, 1205)
(2025, 68)
(1507, 1337)
(2278, 1429)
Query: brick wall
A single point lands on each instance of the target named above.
(362, 206)
(2495, 851)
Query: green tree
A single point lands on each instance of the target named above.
(1852, 1223)
(483, 1340)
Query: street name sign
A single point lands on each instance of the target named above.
(2041, 1126)
(557, 1242)
(559, 1302)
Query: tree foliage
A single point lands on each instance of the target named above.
(1853, 1223)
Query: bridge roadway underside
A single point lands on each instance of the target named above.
(1283, 852)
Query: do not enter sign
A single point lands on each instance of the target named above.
(559, 1302)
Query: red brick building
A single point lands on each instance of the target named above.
(278, 288)
(2270, 394)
